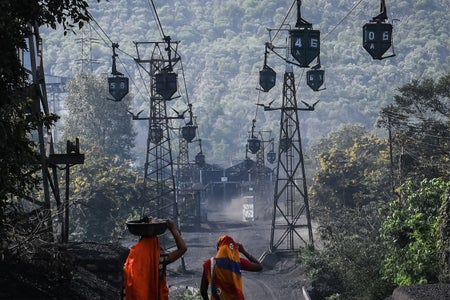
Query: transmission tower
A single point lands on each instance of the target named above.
(263, 177)
(188, 196)
(291, 220)
(86, 59)
(158, 175)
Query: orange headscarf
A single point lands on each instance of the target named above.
(141, 276)
(225, 279)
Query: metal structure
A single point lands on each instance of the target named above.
(315, 77)
(54, 211)
(291, 221)
(377, 35)
(262, 187)
(117, 83)
(253, 143)
(159, 175)
(187, 194)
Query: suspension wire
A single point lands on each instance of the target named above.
(109, 45)
(106, 35)
(283, 23)
(257, 105)
(277, 54)
(342, 20)
(184, 82)
(156, 17)
(163, 35)
(183, 74)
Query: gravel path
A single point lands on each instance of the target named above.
(284, 281)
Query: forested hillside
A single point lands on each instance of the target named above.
(222, 50)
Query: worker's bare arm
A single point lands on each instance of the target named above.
(181, 245)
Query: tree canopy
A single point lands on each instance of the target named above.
(19, 159)
(222, 57)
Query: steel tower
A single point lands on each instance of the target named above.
(291, 220)
(158, 175)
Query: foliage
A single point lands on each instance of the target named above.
(101, 125)
(222, 58)
(411, 233)
(348, 261)
(348, 189)
(106, 193)
(107, 190)
(412, 247)
(351, 169)
(444, 245)
(19, 160)
(185, 293)
(325, 280)
(418, 120)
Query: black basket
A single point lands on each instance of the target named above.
(143, 228)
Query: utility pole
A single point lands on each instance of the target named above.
(188, 197)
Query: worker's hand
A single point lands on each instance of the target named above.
(170, 224)
(241, 247)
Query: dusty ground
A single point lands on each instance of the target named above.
(281, 278)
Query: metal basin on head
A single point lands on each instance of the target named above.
(147, 226)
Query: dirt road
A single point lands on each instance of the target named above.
(283, 280)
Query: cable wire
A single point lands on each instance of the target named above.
(156, 17)
(342, 20)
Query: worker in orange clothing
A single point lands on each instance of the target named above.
(145, 267)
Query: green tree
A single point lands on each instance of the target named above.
(106, 193)
(351, 184)
(418, 120)
(347, 261)
(106, 188)
(19, 160)
(412, 236)
(103, 126)
(353, 169)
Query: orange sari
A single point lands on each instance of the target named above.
(141, 275)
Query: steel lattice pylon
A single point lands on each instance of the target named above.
(188, 198)
(158, 175)
(291, 221)
(262, 187)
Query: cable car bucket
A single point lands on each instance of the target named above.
(315, 77)
(118, 85)
(305, 42)
(190, 129)
(377, 35)
(254, 144)
(267, 76)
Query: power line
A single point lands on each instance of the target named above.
(284, 20)
(156, 18)
(342, 20)
(108, 43)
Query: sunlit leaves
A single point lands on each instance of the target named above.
(411, 233)
(105, 190)
(353, 167)
(418, 122)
